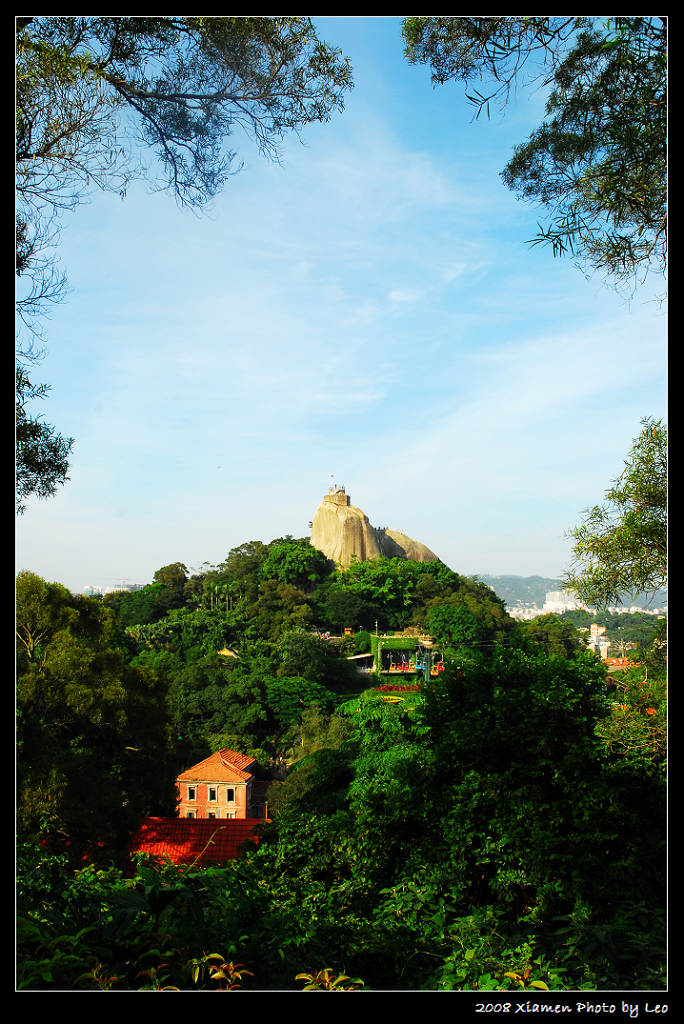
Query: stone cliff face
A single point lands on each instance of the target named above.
(341, 530)
(413, 549)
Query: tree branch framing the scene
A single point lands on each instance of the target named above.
(598, 163)
(42, 461)
(621, 546)
(102, 101)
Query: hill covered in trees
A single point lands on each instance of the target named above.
(500, 826)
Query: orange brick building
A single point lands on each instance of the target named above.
(221, 786)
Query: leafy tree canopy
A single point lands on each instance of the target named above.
(174, 575)
(42, 455)
(144, 606)
(390, 581)
(96, 94)
(304, 654)
(102, 101)
(621, 546)
(454, 624)
(93, 730)
(598, 163)
(288, 696)
(243, 565)
(209, 696)
(190, 632)
(506, 831)
(296, 562)
(555, 634)
(520, 777)
(183, 86)
(41, 608)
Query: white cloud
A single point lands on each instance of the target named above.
(404, 295)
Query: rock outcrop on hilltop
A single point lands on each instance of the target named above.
(412, 549)
(343, 532)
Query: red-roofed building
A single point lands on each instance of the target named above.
(200, 843)
(221, 786)
(220, 808)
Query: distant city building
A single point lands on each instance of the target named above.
(597, 642)
(125, 587)
(531, 611)
(91, 591)
(559, 601)
(524, 611)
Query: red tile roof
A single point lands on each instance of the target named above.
(199, 840)
(223, 766)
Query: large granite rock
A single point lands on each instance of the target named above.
(342, 531)
(412, 549)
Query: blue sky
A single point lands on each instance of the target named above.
(367, 309)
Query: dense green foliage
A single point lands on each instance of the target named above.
(621, 545)
(497, 826)
(630, 634)
(42, 461)
(93, 732)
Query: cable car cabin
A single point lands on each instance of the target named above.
(437, 668)
(402, 666)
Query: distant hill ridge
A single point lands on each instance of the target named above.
(533, 590)
(528, 589)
